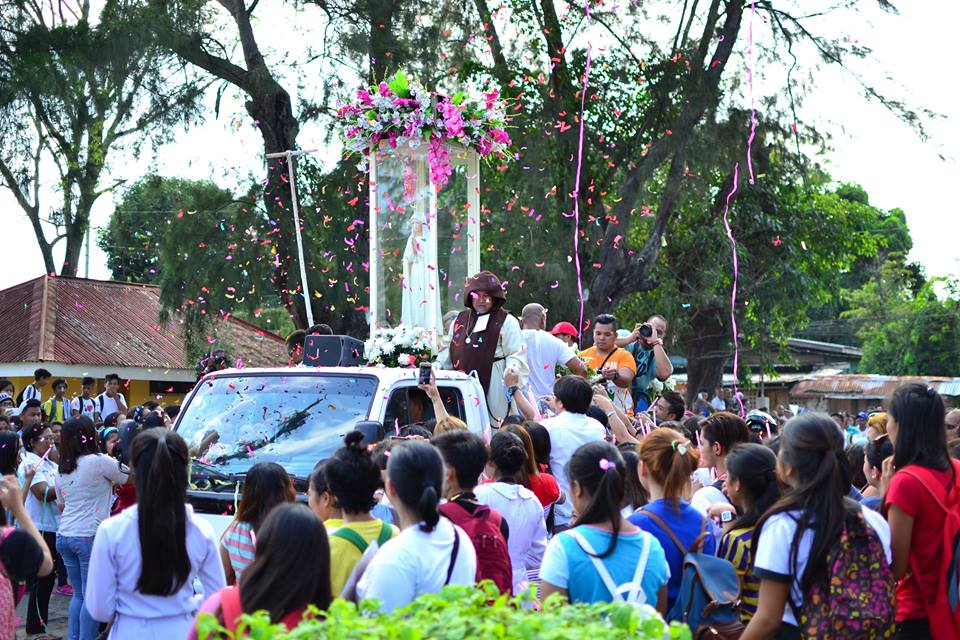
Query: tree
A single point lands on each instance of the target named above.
(75, 87)
(796, 237)
(149, 208)
(907, 332)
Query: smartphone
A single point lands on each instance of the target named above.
(425, 371)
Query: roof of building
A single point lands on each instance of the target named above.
(865, 385)
(95, 322)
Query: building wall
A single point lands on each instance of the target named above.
(135, 391)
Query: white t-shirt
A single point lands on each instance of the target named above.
(568, 432)
(85, 406)
(718, 403)
(772, 550)
(415, 562)
(45, 514)
(705, 497)
(528, 530)
(105, 405)
(544, 353)
(86, 494)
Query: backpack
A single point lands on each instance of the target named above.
(231, 609)
(709, 597)
(483, 528)
(354, 538)
(856, 601)
(633, 589)
(942, 611)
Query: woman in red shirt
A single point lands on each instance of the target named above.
(921, 481)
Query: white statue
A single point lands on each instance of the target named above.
(415, 309)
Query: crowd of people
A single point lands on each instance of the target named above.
(593, 486)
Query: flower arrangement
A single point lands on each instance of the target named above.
(402, 346)
(402, 113)
(656, 387)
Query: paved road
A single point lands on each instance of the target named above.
(57, 625)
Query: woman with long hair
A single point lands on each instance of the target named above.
(603, 557)
(921, 485)
(794, 540)
(85, 489)
(266, 485)
(145, 559)
(752, 487)
(291, 571)
(667, 460)
(517, 504)
(430, 551)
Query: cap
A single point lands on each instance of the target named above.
(533, 310)
(862, 415)
(5, 397)
(564, 328)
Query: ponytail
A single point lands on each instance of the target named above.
(429, 500)
(160, 460)
(600, 470)
(415, 470)
(754, 466)
(670, 459)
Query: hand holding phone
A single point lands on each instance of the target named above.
(426, 369)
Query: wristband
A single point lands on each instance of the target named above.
(513, 390)
(611, 413)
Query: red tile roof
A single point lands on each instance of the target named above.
(95, 322)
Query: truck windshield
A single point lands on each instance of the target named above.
(295, 420)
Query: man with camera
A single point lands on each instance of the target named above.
(645, 344)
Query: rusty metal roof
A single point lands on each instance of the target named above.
(858, 385)
(95, 322)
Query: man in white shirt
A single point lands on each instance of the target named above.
(111, 401)
(545, 351)
(41, 378)
(85, 404)
(717, 402)
(569, 430)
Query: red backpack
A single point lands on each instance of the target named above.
(231, 609)
(943, 609)
(483, 528)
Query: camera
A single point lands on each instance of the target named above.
(646, 330)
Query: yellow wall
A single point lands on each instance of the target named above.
(136, 391)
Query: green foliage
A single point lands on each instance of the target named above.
(459, 612)
(907, 332)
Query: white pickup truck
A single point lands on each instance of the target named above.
(297, 417)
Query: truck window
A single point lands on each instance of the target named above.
(410, 405)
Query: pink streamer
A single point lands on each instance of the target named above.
(753, 108)
(576, 186)
(726, 212)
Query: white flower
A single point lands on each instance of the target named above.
(404, 359)
(656, 386)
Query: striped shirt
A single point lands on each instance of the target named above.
(736, 547)
(238, 541)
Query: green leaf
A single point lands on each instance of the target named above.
(458, 97)
(399, 85)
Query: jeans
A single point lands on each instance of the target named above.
(76, 555)
(38, 604)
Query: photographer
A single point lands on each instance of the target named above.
(645, 344)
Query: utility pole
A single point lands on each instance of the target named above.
(290, 155)
(86, 260)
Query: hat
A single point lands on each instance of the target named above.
(564, 328)
(5, 397)
(483, 281)
(862, 415)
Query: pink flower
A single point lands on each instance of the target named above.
(490, 99)
(500, 136)
(486, 146)
(364, 97)
(385, 90)
(439, 158)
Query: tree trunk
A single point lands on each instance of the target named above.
(707, 351)
(385, 55)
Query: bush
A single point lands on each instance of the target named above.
(460, 612)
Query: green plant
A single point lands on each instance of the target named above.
(461, 612)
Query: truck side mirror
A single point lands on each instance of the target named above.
(372, 431)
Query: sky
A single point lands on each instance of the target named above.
(869, 145)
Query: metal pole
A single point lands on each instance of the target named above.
(289, 155)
